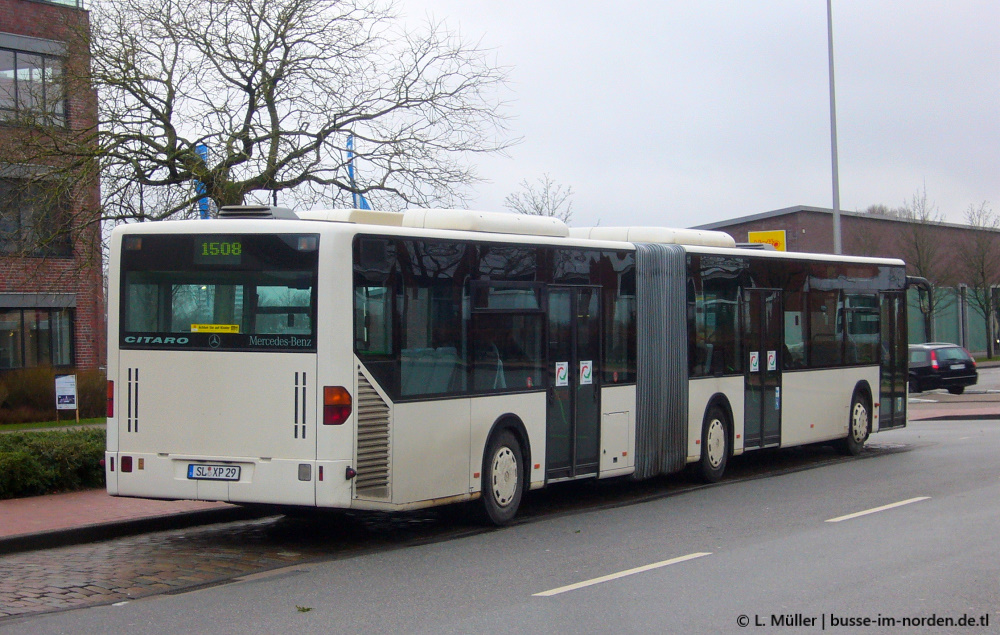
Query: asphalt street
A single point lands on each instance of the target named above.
(906, 532)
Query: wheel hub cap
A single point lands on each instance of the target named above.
(859, 420)
(504, 476)
(716, 442)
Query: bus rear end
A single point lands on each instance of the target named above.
(212, 363)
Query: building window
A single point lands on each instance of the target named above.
(34, 219)
(36, 337)
(31, 85)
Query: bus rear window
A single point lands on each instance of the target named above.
(215, 292)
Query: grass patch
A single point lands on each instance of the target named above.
(43, 425)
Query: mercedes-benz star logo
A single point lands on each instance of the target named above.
(214, 341)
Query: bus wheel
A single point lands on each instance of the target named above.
(714, 445)
(503, 478)
(859, 426)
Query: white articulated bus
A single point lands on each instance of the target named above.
(392, 361)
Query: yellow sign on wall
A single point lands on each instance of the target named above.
(774, 237)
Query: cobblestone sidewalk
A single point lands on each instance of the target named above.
(139, 566)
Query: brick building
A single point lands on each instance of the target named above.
(51, 283)
(931, 250)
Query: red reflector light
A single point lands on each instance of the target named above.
(968, 356)
(934, 363)
(111, 398)
(126, 464)
(336, 405)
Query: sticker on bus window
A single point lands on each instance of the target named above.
(754, 361)
(562, 374)
(215, 328)
(772, 360)
(586, 373)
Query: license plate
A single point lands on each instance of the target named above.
(214, 472)
(957, 366)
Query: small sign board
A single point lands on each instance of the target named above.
(562, 374)
(65, 392)
(215, 328)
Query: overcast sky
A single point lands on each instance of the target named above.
(682, 113)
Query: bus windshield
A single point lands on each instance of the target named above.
(215, 292)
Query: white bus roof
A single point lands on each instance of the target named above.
(454, 219)
(440, 223)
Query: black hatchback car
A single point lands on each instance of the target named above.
(937, 365)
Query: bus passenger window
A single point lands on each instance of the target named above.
(507, 351)
(373, 320)
(825, 342)
(795, 329)
(860, 323)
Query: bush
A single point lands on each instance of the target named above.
(22, 474)
(28, 394)
(33, 463)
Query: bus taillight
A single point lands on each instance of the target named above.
(336, 405)
(111, 398)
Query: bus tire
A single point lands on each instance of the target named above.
(714, 444)
(503, 478)
(859, 426)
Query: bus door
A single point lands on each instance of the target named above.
(893, 352)
(572, 430)
(763, 321)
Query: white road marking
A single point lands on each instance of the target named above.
(620, 574)
(878, 509)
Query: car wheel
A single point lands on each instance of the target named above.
(859, 426)
(956, 390)
(503, 478)
(714, 445)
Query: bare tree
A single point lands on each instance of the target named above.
(272, 90)
(980, 261)
(548, 198)
(923, 252)
(881, 209)
(915, 242)
(863, 239)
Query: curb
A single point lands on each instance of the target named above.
(119, 529)
(985, 416)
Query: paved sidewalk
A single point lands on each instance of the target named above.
(63, 519)
(918, 411)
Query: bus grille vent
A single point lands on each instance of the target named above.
(372, 480)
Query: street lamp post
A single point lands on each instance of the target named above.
(837, 247)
